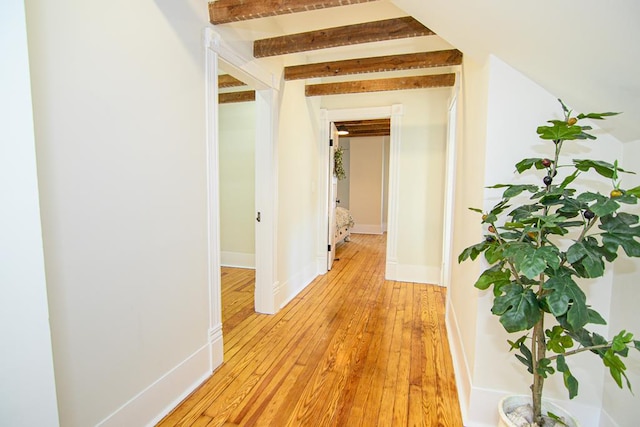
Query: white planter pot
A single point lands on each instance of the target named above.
(509, 403)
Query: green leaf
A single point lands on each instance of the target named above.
(518, 308)
(472, 251)
(544, 368)
(475, 210)
(618, 231)
(616, 367)
(515, 190)
(570, 382)
(586, 258)
(635, 191)
(604, 207)
(536, 263)
(596, 116)
(595, 317)
(524, 212)
(557, 341)
(567, 297)
(516, 344)
(526, 358)
(493, 253)
(569, 179)
(559, 130)
(605, 169)
(493, 276)
(525, 164)
(620, 341)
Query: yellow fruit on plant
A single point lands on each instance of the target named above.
(572, 121)
(615, 193)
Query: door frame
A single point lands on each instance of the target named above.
(267, 299)
(393, 112)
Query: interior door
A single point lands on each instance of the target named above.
(333, 191)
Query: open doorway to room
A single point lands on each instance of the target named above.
(362, 176)
(236, 156)
(219, 55)
(369, 196)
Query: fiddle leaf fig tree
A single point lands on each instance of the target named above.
(544, 241)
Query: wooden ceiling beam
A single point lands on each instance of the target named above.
(224, 11)
(243, 96)
(363, 133)
(226, 81)
(388, 29)
(380, 85)
(411, 61)
(374, 127)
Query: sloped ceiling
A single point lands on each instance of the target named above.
(585, 52)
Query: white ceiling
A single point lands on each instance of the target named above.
(585, 52)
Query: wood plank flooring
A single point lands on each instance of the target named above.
(352, 349)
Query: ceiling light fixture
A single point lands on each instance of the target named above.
(342, 130)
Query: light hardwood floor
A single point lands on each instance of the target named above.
(352, 349)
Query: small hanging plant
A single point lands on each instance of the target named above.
(338, 168)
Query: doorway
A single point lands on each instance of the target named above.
(236, 154)
(394, 113)
(266, 298)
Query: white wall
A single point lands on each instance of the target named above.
(119, 108)
(237, 183)
(366, 183)
(470, 166)
(297, 189)
(515, 107)
(537, 39)
(620, 408)
(27, 387)
(421, 177)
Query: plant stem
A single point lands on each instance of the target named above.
(580, 350)
(538, 347)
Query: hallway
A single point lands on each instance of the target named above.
(350, 350)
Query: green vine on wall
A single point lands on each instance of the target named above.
(338, 169)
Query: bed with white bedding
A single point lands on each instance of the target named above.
(344, 224)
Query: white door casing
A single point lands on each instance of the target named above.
(333, 190)
(266, 294)
(394, 112)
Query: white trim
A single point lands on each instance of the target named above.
(149, 406)
(323, 192)
(266, 201)
(298, 282)
(252, 73)
(412, 273)
(266, 197)
(216, 346)
(449, 188)
(237, 260)
(213, 207)
(460, 365)
(391, 272)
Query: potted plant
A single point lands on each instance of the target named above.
(544, 240)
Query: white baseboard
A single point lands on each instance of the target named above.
(367, 229)
(237, 259)
(157, 400)
(413, 273)
(460, 365)
(216, 355)
(606, 420)
(292, 287)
